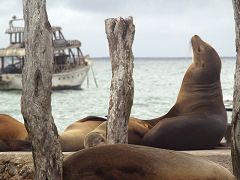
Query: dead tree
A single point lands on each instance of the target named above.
(36, 92)
(235, 150)
(120, 34)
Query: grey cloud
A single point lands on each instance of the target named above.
(9, 8)
(163, 28)
(139, 6)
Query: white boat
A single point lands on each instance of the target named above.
(70, 66)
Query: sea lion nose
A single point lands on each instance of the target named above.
(195, 40)
(196, 37)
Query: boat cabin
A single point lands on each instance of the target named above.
(67, 53)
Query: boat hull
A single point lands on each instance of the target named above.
(71, 79)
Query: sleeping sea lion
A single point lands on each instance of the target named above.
(13, 135)
(11, 128)
(15, 145)
(72, 139)
(124, 161)
(136, 131)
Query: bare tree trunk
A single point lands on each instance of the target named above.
(36, 92)
(120, 34)
(236, 97)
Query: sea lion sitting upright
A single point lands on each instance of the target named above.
(198, 120)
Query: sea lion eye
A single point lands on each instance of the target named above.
(199, 50)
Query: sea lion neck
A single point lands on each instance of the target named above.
(193, 87)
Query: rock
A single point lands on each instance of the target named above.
(12, 170)
(2, 168)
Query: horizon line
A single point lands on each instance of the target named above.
(161, 57)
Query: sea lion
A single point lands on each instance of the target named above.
(15, 145)
(11, 128)
(139, 163)
(198, 120)
(136, 131)
(13, 135)
(72, 139)
(96, 137)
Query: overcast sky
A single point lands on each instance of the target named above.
(163, 28)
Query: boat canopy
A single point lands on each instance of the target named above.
(61, 44)
(12, 52)
(21, 29)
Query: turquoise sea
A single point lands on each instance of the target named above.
(156, 81)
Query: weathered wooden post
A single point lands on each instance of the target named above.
(235, 151)
(120, 34)
(36, 92)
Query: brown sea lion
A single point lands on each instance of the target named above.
(133, 162)
(136, 131)
(15, 145)
(198, 120)
(96, 137)
(11, 128)
(13, 135)
(72, 139)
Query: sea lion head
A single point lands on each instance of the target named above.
(93, 139)
(206, 66)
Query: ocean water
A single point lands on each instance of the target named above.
(156, 85)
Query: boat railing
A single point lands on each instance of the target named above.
(58, 68)
(74, 42)
(15, 30)
(62, 68)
